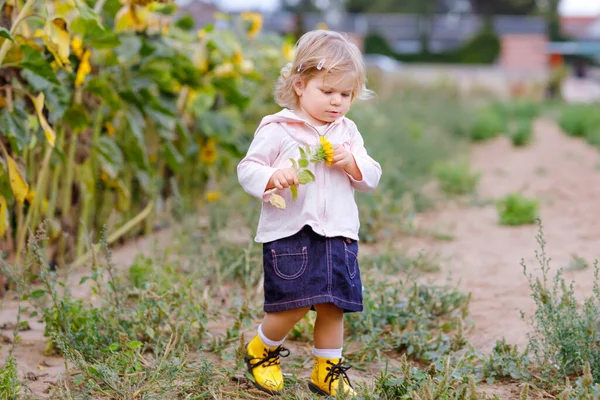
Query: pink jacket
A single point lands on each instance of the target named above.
(327, 205)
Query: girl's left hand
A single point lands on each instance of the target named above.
(342, 158)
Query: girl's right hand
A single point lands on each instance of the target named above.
(283, 178)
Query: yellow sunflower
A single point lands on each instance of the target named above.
(326, 150)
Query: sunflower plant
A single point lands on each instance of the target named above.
(321, 153)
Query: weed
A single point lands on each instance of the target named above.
(10, 386)
(430, 384)
(521, 132)
(488, 124)
(578, 119)
(409, 317)
(564, 333)
(577, 263)
(456, 178)
(584, 387)
(506, 361)
(516, 209)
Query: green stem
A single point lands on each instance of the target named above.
(39, 188)
(118, 233)
(56, 173)
(22, 15)
(68, 182)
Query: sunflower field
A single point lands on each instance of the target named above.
(115, 112)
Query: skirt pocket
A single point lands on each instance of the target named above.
(351, 252)
(290, 266)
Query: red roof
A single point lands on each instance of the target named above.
(577, 26)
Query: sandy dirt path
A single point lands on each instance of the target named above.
(563, 173)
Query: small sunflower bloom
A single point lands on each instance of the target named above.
(110, 128)
(256, 23)
(208, 154)
(84, 68)
(288, 51)
(326, 151)
(77, 46)
(213, 196)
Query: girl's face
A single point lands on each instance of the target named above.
(324, 98)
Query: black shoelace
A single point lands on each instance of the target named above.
(335, 371)
(271, 357)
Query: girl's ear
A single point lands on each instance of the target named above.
(299, 86)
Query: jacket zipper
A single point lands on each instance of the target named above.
(323, 214)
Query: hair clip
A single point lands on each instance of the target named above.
(299, 67)
(320, 65)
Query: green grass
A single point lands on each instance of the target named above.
(515, 209)
(456, 178)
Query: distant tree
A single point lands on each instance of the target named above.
(504, 7)
(393, 6)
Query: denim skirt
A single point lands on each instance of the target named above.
(307, 269)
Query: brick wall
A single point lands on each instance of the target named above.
(523, 52)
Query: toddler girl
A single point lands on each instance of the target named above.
(310, 248)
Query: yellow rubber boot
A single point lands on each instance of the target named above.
(263, 365)
(327, 376)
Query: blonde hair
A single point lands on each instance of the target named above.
(321, 51)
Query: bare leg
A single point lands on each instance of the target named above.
(276, 325)
(329, 326)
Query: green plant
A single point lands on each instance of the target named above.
(487, 125)
(456, 178)
(584, 387)
(440, 381)
(565, 331)
(516, 209)
(521, 132)
(423, 321)
(579, 119)
(10, 386)
(506, 361)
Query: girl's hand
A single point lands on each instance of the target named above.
(283, 178)
(343, 158)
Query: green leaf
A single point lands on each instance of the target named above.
(294, 163)
(305, 177)
(77, 118)
(137, 123)
(303, 163)
(224, 42)
(94, 35)
(33, 314)
(214, 123)
(302, 153)
(233, 92)
(88, 14)
(36, 294)
(129, 50)
(110, 155)
(204, 100)
(14, 125)
(113, 347)
(134, 344)
(174, 157)
(294, 190)
(105, 90)
(38, 83)
(34, 61)
(6, 34)
(83, 280)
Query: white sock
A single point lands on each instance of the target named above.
(327, 353)
(268, 342)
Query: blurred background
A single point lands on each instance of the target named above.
(519, 39)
